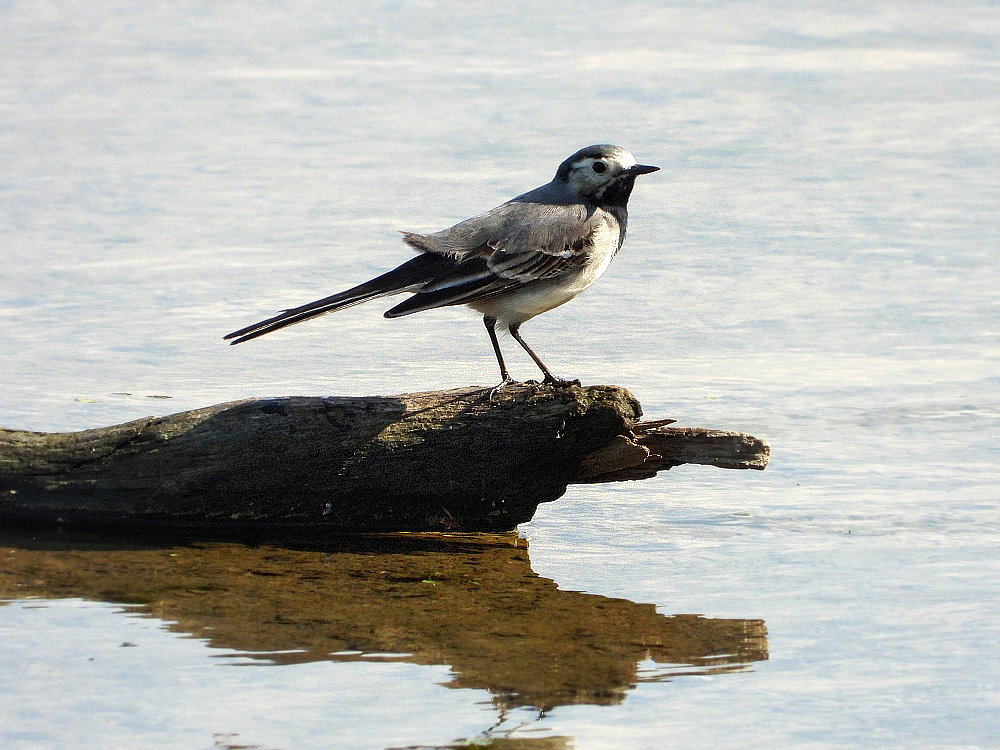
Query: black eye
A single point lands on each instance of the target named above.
(600, 167)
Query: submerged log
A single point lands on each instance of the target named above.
(460, 459)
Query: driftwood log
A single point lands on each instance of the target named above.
(465, 459)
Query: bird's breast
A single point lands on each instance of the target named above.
(605, 242)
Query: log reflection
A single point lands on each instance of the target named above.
(468, 601)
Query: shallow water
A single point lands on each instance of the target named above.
(816, 264)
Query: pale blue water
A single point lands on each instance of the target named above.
(818, 263)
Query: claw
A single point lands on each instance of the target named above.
(500, 386)
(559, 382)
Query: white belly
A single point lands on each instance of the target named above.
(537, 297)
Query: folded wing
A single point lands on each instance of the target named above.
(556, 242)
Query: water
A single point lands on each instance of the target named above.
(816, 264)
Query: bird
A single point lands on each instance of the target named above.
(523, 258)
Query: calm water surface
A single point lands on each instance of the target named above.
(817, 264)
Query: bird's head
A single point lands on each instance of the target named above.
(603, 174)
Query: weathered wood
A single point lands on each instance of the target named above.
(461, 459)
(651, 447)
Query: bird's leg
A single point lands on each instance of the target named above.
(549, 378)
(506, 379)
(490, 324)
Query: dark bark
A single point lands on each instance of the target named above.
(460, 459)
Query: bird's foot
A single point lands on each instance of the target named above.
(500, 386)
(555, 382)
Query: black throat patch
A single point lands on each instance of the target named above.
(617, 193)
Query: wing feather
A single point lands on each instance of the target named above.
(551, 244)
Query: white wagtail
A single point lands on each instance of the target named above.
(523, 258)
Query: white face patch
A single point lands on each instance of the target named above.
(616, 161)
(585, 180)
(626, 159)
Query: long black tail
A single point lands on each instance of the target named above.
(415, 271)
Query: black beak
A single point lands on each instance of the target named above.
(641, 169)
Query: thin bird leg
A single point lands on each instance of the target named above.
(490, 324)
(549, 377)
